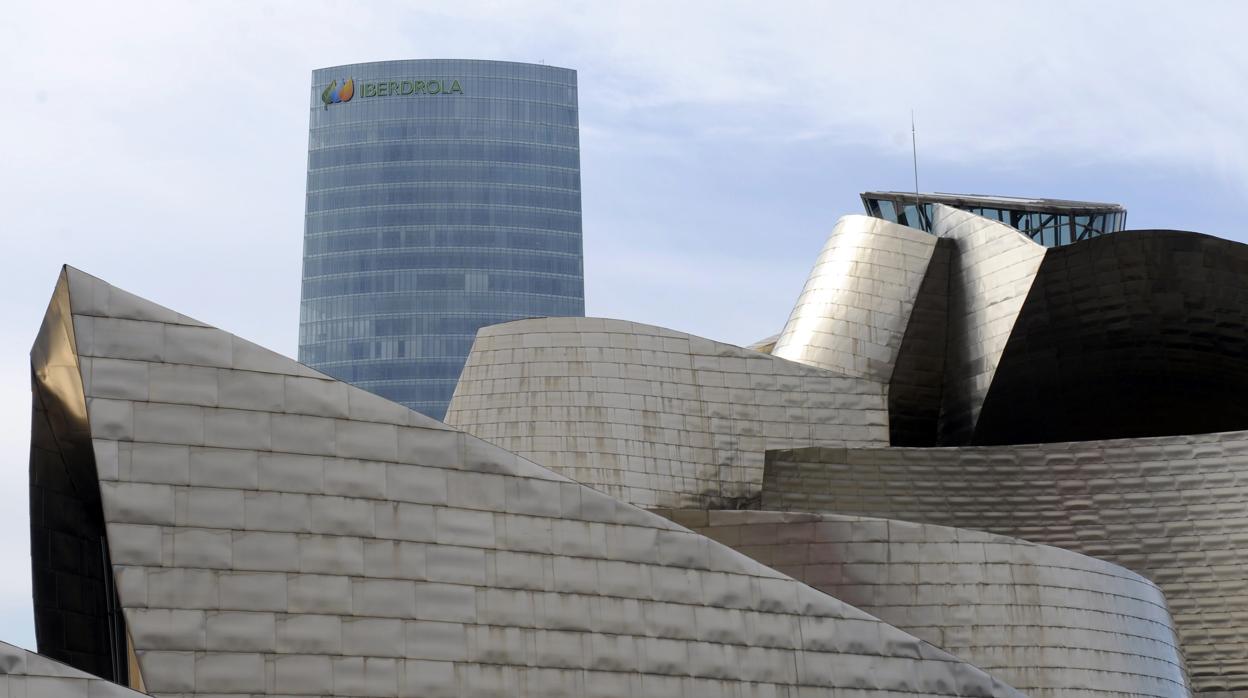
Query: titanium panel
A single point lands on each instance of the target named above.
(764, 345)
(991, 272)
(75, 611)
(851, 315)
(1048, 621)
(916, 388)
(28, 675)
(1169, 508)
(1134, 334)
(653, 416)
(274, 531)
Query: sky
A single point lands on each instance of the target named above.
(162, 146)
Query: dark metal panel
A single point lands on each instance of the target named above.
(76, 618)
(917, 383)
(1174, 509)
(991, 270)
(1139, 333)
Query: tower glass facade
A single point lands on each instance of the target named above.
(442, 196)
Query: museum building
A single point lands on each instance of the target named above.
(906, 495)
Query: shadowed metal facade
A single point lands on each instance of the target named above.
(981, 596)
(1157, 320)
(273, 531)
(442, 196)
(263, 529)
(1170, 508)
(77, 619)
(1127, 347)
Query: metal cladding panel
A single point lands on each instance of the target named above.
(76, 618)
(652, 416)
(991, 272)
(25, 674)
(856, 304)
(1049, 621)
(276, 532)
(1139, 333)
(1170, 508)
(916, 387)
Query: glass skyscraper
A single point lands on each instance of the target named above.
(443, 196)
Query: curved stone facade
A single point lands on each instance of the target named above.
(273, 531)
(1174, 509)
(856, 304)
(1048, 621)
(653, 416)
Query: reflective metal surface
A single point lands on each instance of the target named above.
(76, 616)
(28, 675)
(764, 345)
(859, 300)
(653, 416)
(1048, 621)
(1174, 509)
(993, 348)
(275, 532)
(1141, 333)
(991, 271)
(850, 317)
(272, 531)
(916, 388)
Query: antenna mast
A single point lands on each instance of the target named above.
(914, 151)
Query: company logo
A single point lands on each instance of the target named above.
(412, 87)
(334, 94)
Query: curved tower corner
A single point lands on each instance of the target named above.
(856, 304)
(991, 270)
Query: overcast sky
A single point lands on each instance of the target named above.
(162, 146)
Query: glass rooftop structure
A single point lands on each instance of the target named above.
(1050, 222)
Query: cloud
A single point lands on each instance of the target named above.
(162, 145)
(1091, 82)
